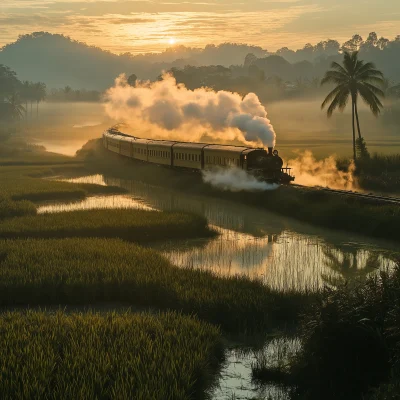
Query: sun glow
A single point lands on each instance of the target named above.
(171, 41)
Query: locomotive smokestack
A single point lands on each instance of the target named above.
(270, 150)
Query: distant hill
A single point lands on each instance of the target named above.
(58, 60)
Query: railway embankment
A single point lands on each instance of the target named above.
(322, 208)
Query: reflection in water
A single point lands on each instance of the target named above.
(353, 265)
(284, 253)
(95, 202)
(92, 179)
(235, 380)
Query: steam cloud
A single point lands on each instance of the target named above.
(236, 180)
(310, 172)
(171, 111)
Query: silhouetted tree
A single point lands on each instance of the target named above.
(132, 80)
(39, 94)
(352, 79)
(13, 106)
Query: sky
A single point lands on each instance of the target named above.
(139, 26)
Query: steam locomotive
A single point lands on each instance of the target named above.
(265, 165)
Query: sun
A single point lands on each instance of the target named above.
(171, 41)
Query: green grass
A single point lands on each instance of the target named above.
(134, 225)
(89, 271)
(25, 183)
(104, 356)
(9, 208)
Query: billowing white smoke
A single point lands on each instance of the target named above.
(165, 109)
(311, 172)
(236, 180)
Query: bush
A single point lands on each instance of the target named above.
(351, 340)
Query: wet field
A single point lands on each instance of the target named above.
(283, 253)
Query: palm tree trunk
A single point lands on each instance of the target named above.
(358, 122)
(354, 129)
(37, 110)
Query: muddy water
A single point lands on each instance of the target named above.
(284, 253)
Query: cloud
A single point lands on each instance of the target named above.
(143, 26)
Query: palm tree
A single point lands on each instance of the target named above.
(14, 107)
(26, 95)
(352, 79)
(39, 94)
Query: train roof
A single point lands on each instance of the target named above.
(183, 145)
(161, 142)
(228, 148)
(178, 144)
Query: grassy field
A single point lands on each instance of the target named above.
(25, 183)
(104, 356)
(134, 225)
(88, 271)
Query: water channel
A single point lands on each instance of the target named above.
(284, 253)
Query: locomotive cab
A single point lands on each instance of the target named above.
(267, 165)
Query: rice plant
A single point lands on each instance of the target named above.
(105, 356)
(134, 225)
(89, 271)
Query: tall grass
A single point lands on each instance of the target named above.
(134, 225)
(88, 271)
(9, 208)
(351, 342)
(104, 356)
(379, 172)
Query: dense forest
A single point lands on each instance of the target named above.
(60, 61)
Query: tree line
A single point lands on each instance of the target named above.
(16, 96)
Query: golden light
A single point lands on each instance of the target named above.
(172, 41)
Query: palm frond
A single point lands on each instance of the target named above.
(373, 89)
(331, 95)
(338, 101)
(338, 67)
(334, 77)
(370, 99)
(369, 66)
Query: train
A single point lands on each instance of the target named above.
(265, 165)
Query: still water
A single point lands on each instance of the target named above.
(284, 253)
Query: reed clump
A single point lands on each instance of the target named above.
(105, 356)
(89, 271)
(351, 342)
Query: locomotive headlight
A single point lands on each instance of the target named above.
(275, 153)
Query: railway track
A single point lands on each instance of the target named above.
(370, 197)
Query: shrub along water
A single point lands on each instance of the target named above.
(350, 343)
(88, 271)
(105, 356)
